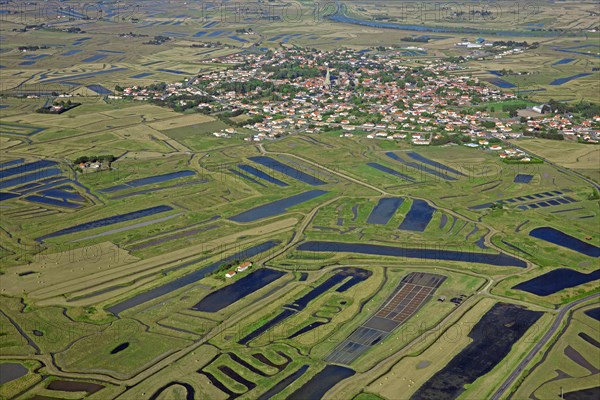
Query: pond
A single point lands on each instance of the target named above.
(500, 259)
(562, 239)
(593, 313)
(556, 280)
(390, 171)
(523, 178)
(34, 176)
(440, 166)
(262, 175)
(120, 348)
(107, 221)
(276, 207)
(566, 79)
(285, 169)
(357, 274)
(189, 278)
(238, 290)
(418, 217)
(384, 210)
(320, 384)
(52, 202)
(492, 339)
(419, 167)
(284, 383)
(11, 163)
(149, 181)
(74, 386)
(21, 169)
(11, 371)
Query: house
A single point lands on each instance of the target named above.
(244, 266)
(230, 274)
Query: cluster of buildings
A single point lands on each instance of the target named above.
(354, 93)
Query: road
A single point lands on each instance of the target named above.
(555, 325)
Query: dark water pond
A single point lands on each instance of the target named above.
(523, 178)
(419, 167)
(384, 211)
(11, 371)
(285, 169)
(7, 196)
(440, 166)
(390, 171)
(357, 274)
(21, 169)
(418, 217)
(276, 207)
(284, 383)
(149, 181)
(108, 221)
(320, 384)
(11, 163)
(190, 392)
(493, 337)
(594, 313)
(556, 280)
(189, 278)
(120, 348)
(62, 194)
(230, 294)
(562, 239)
(34, 176)
(52, 202)
(246, 177)
(262, 175)
(500, 259)
(584, 394)
(74, 386)
(566, 79)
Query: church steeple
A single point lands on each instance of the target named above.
(327, 81)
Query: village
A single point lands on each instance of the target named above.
(297, 90)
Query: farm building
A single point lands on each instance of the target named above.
(244, 266)
(230, 274)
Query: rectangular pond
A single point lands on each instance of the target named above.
(523, 178)
(276, 207)
(435, 164)
(21, 169)
(492, 339)
(151, 180)
(115, 219)
(384, 210)
(390, 171)
(246, 177)
(562, 239)
(566, 79)
(418, 216)
(52, 202)
(11, 163)
(27, 178)
(557, 280)
(419, 167)
(189, 278)
(322, 382)
(300, 304)
(285, 169)
(228, 295)
(499, 259)
(262, 175)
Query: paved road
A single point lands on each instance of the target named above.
(557, 321)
